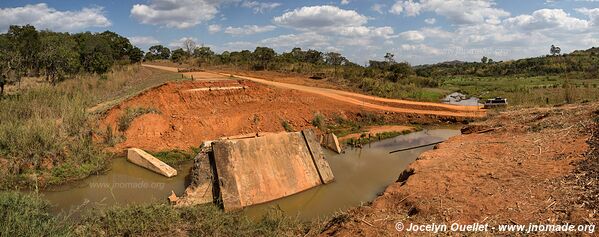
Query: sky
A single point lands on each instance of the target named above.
(415, 31)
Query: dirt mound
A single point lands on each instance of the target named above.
(188, 116)
(519, 173)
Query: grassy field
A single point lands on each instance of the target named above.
(27, 215)
(47, 132)
(526, 91)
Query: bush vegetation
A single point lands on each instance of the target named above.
(130, 114)
(47, 132)
(28, 215)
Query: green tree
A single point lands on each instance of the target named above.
(203, 54)
(484, 60)
(159, 52)
(554, 50)
(179, 55)
(136, 55)
(25, 41)
(400, 71)
(313, 56)
(59, 57)
(263, 55)
(121, 47)
(389, 58)
(96, 54)
(335, 59)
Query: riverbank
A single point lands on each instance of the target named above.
(521, 166)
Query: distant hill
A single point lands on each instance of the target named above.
(582, 63)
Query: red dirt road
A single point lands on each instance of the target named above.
(402, 106)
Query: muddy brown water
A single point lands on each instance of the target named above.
(360, 175)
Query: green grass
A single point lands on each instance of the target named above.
(131, 114)
(526, 91)
(206, 220)
(47, 133)
(176, 156)
(319, 120)
(287, 126)
(28, 215)
(379, 136)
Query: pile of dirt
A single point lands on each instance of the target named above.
(519, 172)
(186, 116)
(212, 106)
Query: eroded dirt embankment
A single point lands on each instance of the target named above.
(190, 113)
(527, 166)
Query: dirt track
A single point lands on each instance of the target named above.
(403, 106)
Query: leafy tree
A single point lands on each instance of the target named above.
(136, 55)
(95, 52)
(26, 42)
(225, 57)
(121, 47)
(263, 55)
(400, 71)
(179, 55)
(555, 50)
(335, 59)
(204, 54)
(389, 58)
(313, 56)
(159, 52)
(484, 60)
(59, 57)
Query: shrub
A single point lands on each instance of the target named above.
(27, 215)
(319, 120)
(130, 115)
(287, 126)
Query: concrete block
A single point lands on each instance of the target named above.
(143, 159)
(261, 169)
(331, 142)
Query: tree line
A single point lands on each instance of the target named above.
(25, 51)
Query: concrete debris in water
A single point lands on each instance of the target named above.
(143, 159)
(331, 142)
(248, 171)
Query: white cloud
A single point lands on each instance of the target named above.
(306, 40)
(318, 17)
(260, 7)
(456, 11)
(593, 14)
(143, 40)
(178, 14)
(214, 28)
(43, 17)
(547, 19)
(344, 2)
(412, 35)
(378, 8)
(430, 21)
(332, 20)
(249, 29)
(397, 8)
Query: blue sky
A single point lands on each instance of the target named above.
(416, 31)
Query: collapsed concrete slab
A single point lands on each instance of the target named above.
(242, 172)
(202, 188)
(143, 159)
(331, 142)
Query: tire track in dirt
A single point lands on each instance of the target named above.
(438, 109)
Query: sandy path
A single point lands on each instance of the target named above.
(352, 98)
